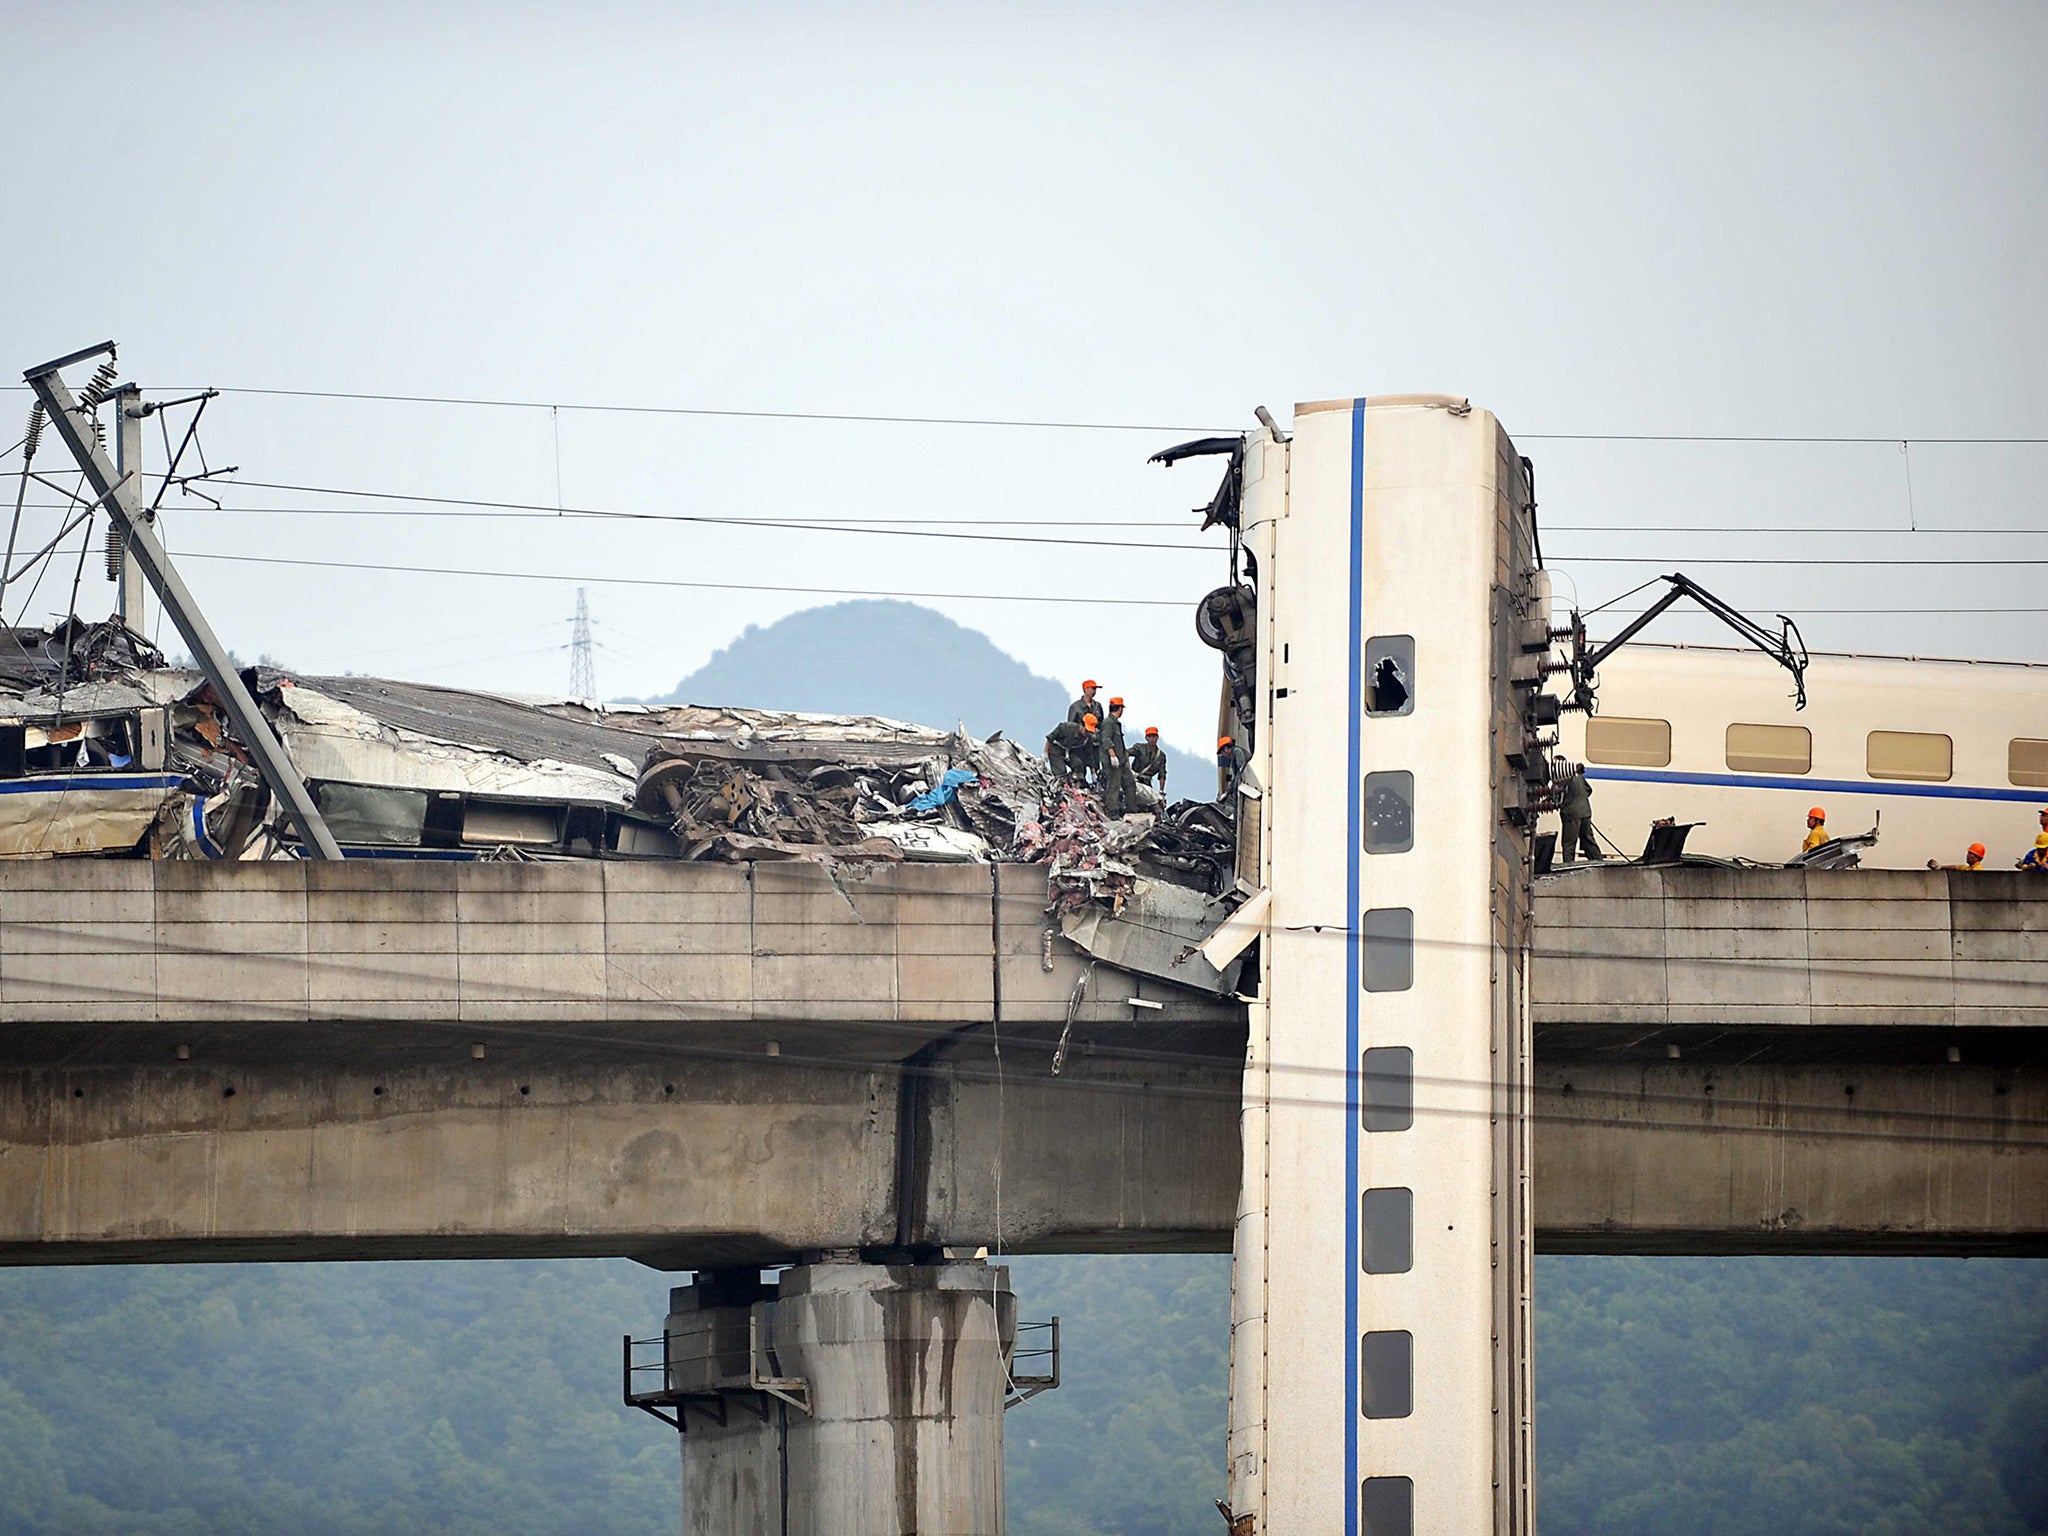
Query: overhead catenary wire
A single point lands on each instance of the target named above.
(538, 510)
(858, 418)
(694, 586)
(867, 527)
(1817, 439)
(1076, 423)
(879, 592)
(1918, 562)
(869, 592)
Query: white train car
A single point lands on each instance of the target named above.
(1936, 754)
(1380, 1339)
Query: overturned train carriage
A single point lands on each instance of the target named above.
(105, 750)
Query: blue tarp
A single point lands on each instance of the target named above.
(946, 789)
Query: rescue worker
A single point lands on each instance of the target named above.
(1816, 830)
(1575, 812)
(1071, 750)
(1229, 765)
(1119, 788)
(1973, 858)
(2036, 858)
(1085, 705)
(1148, 761)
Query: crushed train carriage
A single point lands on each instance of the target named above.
(108, 751)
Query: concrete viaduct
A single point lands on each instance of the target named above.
(704, 1067)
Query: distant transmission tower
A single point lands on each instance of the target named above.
(582, 674)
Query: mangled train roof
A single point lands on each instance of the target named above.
(112, 752)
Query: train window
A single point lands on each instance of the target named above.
(1390, 675)
(1387, 939)
(1909, 755)
(1386, 1506)
(1628, 743)
(2026, 763)
(1386, 1374)
(1390, 811)
(1770, 748)
(1386, 1231)
(1386, 1088)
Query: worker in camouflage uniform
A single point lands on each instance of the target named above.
(1087, 704)
(1230, 761)
(1575, 811)
(1148, 761)
(1072, 751)
(1119, 787)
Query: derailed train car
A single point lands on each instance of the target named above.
(1935, 754)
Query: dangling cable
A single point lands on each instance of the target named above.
(28, 454)
(71, 614)
(38, 561)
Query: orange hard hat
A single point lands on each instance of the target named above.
(1151, 730)
(1976, 850)
(1222, 741)
(1816, 814)
(1087, 683)
(1088, 722)
(1116, 701)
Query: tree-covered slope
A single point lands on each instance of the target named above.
(1783, 1397)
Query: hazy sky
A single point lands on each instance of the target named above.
(1826, 220)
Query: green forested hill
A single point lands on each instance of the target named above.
(1789, 1397)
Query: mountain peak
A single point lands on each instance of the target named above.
(883, 656)
(879, 656)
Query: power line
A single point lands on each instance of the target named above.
(878, 592)
(822, 525)
(545, 510)
(695, 586)
(858, 526)
(1808, 530)
(1668, 559)
(1890, 439)
(1805, 612)
(1770, 437)
(865, 418)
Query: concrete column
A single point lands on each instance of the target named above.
(903, 1369)
(732, 1436)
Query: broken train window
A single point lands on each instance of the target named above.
(1390, 675)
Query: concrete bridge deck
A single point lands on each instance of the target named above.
(701, 1065)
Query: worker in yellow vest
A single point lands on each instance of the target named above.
(1816, 830)
(2036, 858)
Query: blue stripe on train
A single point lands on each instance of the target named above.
(1807, 785)
(57, 784)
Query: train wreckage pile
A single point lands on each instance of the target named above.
(105, 750)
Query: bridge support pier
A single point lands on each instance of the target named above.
(843, 1399)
